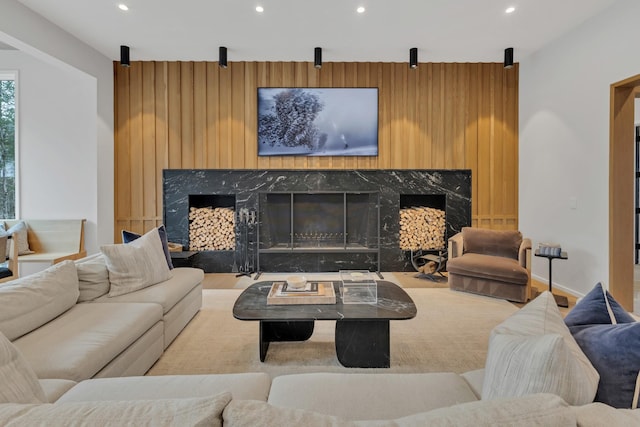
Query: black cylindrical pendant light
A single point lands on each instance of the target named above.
(124, 56)
(222, 57)
(413, 57)
(508, 57)
(317, 57)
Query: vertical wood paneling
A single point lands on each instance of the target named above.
(213, 116)
(198, 115)
(471, 136)
(161, 126)
(174, 116)
(249, 120)
(136, 153)
(186, 115)
(149, 141)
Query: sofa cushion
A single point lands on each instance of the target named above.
(129, 236)
(31, 301)
(599, 414)
(20, 233)
(367, 396)
(597, 307)
(540, 410)
(204, 411)
(533, 351)
(54, 388)
(93, 277)
(248, 385)
(19, 383)
(136, 265)
(167, 293)
(504, 243)
(489, 267)
(83, 340)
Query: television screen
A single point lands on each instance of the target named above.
(317, 121)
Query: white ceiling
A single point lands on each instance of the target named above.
(288, 30)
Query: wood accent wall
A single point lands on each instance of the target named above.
(186, 115)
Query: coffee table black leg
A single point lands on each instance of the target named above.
(283, 331)
(363, 344)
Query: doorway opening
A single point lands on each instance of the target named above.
(622, 173)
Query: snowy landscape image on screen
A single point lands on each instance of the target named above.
(318, 121)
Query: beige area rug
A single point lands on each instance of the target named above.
(230, 281)
(450, 333)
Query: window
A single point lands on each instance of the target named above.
(7, 145)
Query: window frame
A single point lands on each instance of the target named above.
(14, 75)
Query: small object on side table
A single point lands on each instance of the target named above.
(561, 300)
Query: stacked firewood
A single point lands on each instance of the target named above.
(211, 229)
(422, 228)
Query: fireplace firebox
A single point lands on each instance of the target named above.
(319, 222)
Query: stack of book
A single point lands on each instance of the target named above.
(550, 249)
(312, 293)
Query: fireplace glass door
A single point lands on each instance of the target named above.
(323, 222)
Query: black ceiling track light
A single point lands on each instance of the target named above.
(508, 57)
(124, 56)
(317, 57)
(222, 57)
(413, 57)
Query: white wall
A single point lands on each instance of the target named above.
(564, 142)
(57, 140)
(74, 153)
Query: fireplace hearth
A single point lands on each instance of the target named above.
(314, 220)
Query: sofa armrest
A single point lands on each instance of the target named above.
(524, 257)
(524, 253)
(455, 246)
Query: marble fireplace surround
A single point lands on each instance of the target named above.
(245, 186)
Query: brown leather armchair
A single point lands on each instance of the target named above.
(495, 263)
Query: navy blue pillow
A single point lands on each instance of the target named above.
(597, 307)
(610, 338)
(128, 236)
(614, 351)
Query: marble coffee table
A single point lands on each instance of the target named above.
(362, 330)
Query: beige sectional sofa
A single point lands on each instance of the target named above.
(53, 364)
(100, 336)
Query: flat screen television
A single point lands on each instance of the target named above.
(317, 121)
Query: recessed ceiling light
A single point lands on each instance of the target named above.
(123, 6)
(360, 9)
(259, 9)
(510, 9)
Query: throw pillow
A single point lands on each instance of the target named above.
(614, 350)
(136, 265)
(610, 337)
(598, 307)
(31, 301)
(19, 231)
(129, 236)
(530, 411)
(19, 382)
(560, 367)
(202, 411)
(93, 277)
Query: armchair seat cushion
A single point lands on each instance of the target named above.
(489, 267)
